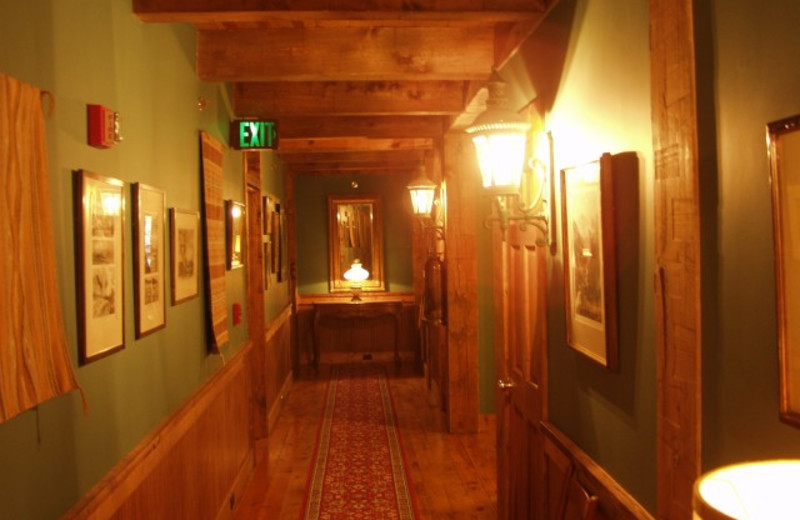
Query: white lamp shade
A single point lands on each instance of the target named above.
(356, 273)
(754, 491)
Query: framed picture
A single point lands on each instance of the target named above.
(149, 264)
(587, 217)
(784, 154)
(234, 234)
(276, 237)
(99, 265)
(267, 261)
(184, 240)
(280, 238)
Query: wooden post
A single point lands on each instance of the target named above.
(677, 291)
(462, 284)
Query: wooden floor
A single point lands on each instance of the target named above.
(453, 476)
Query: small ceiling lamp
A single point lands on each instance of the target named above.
(355, 275)
(499, 135)
(422, 191)
(753, 490)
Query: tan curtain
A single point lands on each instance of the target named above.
(34, 361)
(214, 227)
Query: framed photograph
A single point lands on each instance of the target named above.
(267, 204)
(275, 216)
(267, 261)
(184, 240)
(149, 264)
(99, 264)
(234, 234)
(784, 154)
(280, 238)
(587, 217)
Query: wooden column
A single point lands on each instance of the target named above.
(677, 291)
(462, 284)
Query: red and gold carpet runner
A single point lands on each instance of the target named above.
(358, 468)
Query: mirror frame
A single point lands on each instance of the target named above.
(336, 281)
(786, 218)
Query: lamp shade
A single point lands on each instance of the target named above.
(356, 273)
(753, 490)
(499, 135)
(422, 191)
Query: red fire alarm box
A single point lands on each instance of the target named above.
(102, 129)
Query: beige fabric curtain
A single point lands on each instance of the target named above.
(34, 361)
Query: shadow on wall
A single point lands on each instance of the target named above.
(535, 72)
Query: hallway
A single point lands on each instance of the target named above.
(452, 476)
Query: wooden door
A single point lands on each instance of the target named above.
(521, 343)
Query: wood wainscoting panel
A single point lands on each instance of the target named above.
(568, 467)
(278, 363)
(194, 465)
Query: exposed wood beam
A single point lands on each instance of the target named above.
(295, 99)
(352, 144)
(201, 11)
(366, 126)
(350, 157)
(369, 167)
(346, 54)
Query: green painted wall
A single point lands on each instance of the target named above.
(96, 51)
(311, 196)
(276, 297)
(588, 65)
(750, 77)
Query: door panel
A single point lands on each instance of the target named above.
(521, 361)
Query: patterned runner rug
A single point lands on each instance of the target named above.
(358, 469)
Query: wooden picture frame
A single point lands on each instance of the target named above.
(784, 154)
(99, 209)
(234, 234)
(355, 231)
(277, 241)
(184, 239)
(587, 221)
(149, 258)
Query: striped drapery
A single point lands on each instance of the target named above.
(214, 231)
(34, 360)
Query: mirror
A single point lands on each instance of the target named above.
(355, 232)
(784, 153)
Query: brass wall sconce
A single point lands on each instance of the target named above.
(502, 145)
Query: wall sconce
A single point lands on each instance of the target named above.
(355, 275)
(751, 490)
(423, 199)
(500, 138)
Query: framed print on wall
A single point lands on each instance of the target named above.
(784, 155)
(99, 265)
(184, 242)
(234, 234)
(149, 264)
(587, 218)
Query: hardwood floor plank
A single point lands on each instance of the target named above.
(453, 475)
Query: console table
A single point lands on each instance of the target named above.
(353, 311)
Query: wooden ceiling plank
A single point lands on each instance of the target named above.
(339, 144)
(361, 126)
(324, 98)
(353, 156)
(345, 54)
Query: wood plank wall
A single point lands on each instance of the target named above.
(196, 464)
(567, 465)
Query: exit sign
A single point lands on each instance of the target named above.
(252, 134)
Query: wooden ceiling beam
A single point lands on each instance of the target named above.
(389, 156)
(346, 54)
(351, 144)
(320, 168)
(221, 11)
(361, 126)
(295, 99)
